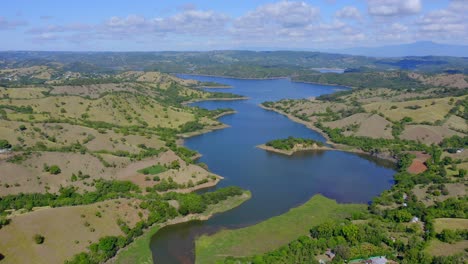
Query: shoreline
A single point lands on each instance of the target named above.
(326, 84)
(225, 113)
(291, 78)
(215, 99)
(202, 131)
(334, 146)
(293, 151)
(231, 77)
(220, 86)
(155, 228)
(305, 123)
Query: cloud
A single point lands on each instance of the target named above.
(45, 37)
(349, 12)
(56, 28)
(11, 24)
(393, 7)
(393, 32)
(46, 17)
(283, 14)
(277, 24)
(192, 22)
(188, 6)
(281, 18)
(445, 23)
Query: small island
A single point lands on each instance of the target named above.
(291, 145)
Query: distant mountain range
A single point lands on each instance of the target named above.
(421, 48)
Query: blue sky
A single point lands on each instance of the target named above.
(143, 25)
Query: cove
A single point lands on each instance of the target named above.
(277, 182)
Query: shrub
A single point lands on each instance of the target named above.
(39, 239)
(4, 144)
(54, 169)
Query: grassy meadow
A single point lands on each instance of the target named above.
(274, 232)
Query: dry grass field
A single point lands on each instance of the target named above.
(38, 72)
(454, 189)
(438, 248)
(30, 177)
(93, 90)
(430, 110)
(119, 109)
(442, 80)
(457, 123)
(450, 223)
(368, 125)
(156, 77)
(67, 230)
(22, 93)
(137, 102)
(427, 134)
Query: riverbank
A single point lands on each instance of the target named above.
(221, 86)
(232, 77)
(334, 146)
(139, 251)
(201, 131)
(215, 99)
(294, 150)
(292, 79)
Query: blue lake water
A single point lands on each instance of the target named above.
(277, 182)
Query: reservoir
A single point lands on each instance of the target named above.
(277, 182)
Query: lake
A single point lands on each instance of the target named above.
(277, 182)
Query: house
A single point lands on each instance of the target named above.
(460, 150)
(330, 254)
(377, 260)
(372, 260)
(415, 219)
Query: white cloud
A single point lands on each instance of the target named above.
(194, 22)
(282, 14)
(278, 24)
(393, 7)
(282, 19)
(11, 24)
(349, 12)
(57, 28)
(451, 22)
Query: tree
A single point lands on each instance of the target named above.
(350, 232)
(343, 251)
(4, 221)
(462, 173)
(4, 144)
(39, 239)
(402, 216)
